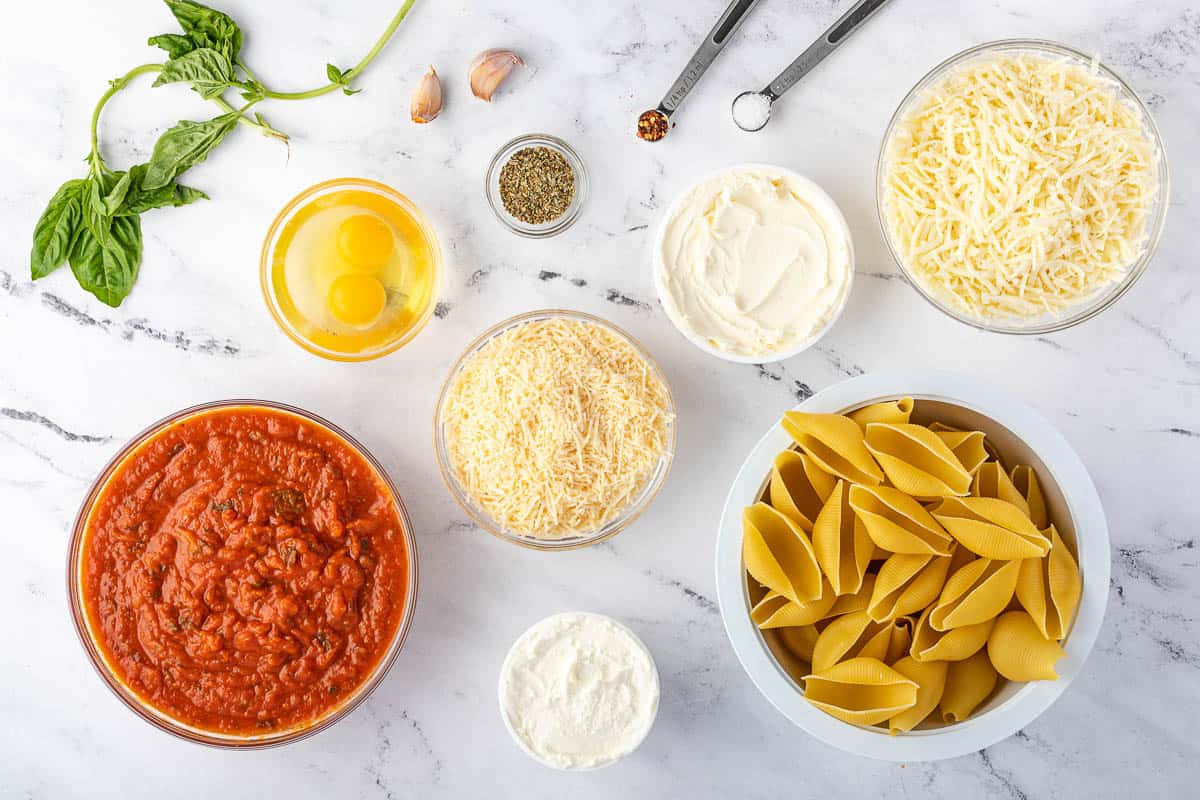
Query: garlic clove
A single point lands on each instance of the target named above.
(427, 98)
(489, 69)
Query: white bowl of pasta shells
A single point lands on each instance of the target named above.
(913, 565)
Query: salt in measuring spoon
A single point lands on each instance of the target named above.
(751, 113)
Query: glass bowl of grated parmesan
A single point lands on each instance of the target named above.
(554, 430)
(1022, 186)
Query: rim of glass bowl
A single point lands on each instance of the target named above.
(1106, 296)
(161, 719)
(492, 186)
(268, 249)
(484, 520)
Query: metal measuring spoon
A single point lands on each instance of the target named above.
(755, 112)
(653, 124)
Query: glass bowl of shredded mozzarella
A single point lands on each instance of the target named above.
(1022, 186)
(554, 430)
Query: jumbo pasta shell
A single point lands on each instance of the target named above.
(799, 488)
(952, 645)
(861, 691)
(991, 528)
(930, 677)
(769, 608)
(916, 461)
(777, 611)
(975, 593)
(835, 443)
(851, 636)
(899, 639)
(850, 603)
(968, 446)
(799, 641)
(841, 543)
(1049, 588)
(893, 412)
(906, 584)
(968, 683)
(960, 558)
(778, 554)
(992, 481)
(1020, 652)
(897, 523)
(1026, 481)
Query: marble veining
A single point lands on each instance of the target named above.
(77, 379)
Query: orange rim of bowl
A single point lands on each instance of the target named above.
(655, 482)
(142, 707)
(268, 249)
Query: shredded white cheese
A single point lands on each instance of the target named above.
(1019, 185)
(554, 426)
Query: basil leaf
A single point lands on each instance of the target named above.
(252, 90)
(184, 146)
(209, 72)
(175, 44)
(207, 27)
(338, 77)
(139, 199)
(56, 229)
(108, 268)
(170, 196)
(95, 217)
(115, 197)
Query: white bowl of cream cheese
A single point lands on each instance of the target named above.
(754, 263)
(578, 691)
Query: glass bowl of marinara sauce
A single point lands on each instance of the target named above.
(242, 574)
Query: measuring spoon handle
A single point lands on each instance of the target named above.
(708, 50)
(829, 41)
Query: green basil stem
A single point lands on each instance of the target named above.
(114, 87)
(262, 126)
(353, 71)
(96, 161)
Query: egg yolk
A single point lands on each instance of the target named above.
(356, 298)
(365, 241)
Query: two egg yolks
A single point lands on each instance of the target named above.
(356, 296)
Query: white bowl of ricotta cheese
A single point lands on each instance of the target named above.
(754, 263)
(578, 691)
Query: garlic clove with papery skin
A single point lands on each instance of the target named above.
(427, 98)
(489, 69)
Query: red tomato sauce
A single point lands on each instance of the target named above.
(244, 570)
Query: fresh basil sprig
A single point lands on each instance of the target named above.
(94, 223)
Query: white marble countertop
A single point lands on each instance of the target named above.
(77, 379)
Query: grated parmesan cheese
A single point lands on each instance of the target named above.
(554, 426)
(1018, 186)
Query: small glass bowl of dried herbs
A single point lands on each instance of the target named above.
(536, 185)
